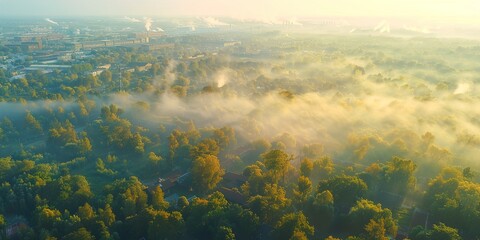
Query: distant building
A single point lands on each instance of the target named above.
(106, 66)
(131, 39)
(35, 67)
(233, 196)
(96, 72)
(172, 180)
(196, 56)
(154, 47)
(232, 43)
(141, 67)
(26, 43)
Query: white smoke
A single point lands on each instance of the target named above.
(462, 88)
(213, 22)
(131, 19)
(382, 27)
(51, 21)
(294, 21)
(148, 23)
(222, 78)
(416, 29)
(160, 29)
(271, 21)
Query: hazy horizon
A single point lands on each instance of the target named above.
(465, 11)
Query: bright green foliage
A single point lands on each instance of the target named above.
(157, 200)
(86, 212)
(346, 190)
(302, 190)
(364, 212)
(271, 204)
(376, 230)
(455, 201)
(322, 168)
(33, 123)
(69, 191)
(293, 226)
(106, 215)
(207, 146)
(443, 232)
(306, 167)
(166, 225)
(256, 179)
(129, 196)
(398, 176)
(80, 234)
(320, 210)
(206, 172)
(225, 233)
(225, 137)
(210, 218)
(277, 163)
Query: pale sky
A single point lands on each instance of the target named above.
(466, 9)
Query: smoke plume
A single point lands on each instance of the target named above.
(131, 19)
(51, 21)
(148, 23)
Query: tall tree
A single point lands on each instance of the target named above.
(293, 225)
(206, 172)
(302, 190)
(364, 211)
(277, 162)
(346, 190)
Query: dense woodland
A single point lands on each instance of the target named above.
(286, 136)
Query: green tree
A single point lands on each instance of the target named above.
(455, 201)
(277, 162)
(205, 219)
(398, 176)
(376, 230)
(68, 192)
(129, 196)
(442, 232)
(306, 167)
(47, 217)
(302, 190)
(225, 137)
(364, 211)
(293, 225)
(225, 233)
(80, 234)
(86, 212)
(173, 144)
(33, 123)
(206, 173)
(154, 158)
(346, 190)
(106, 215)
(270, 205)
(207, 146)
(3, 225)
(84, 145)
(256, 179)
(320, 210)
(157, 200)
(138, 143)
(106, 76)
(322, 168)
(166, 226)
